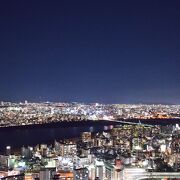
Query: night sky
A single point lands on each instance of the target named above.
(90, 51)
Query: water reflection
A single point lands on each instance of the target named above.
(19, 137)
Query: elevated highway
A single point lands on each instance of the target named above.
(140, 174)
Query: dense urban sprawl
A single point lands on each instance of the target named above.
(17, 114)
(123, 152)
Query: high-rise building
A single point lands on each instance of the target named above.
(8, 150)
(26, 152)
(47, 174)
(86, 136)
(81, 173)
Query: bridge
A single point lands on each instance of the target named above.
(130, 122)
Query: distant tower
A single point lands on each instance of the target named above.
(2, 103)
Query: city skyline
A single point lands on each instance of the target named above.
(89, 90)
(118, 52)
